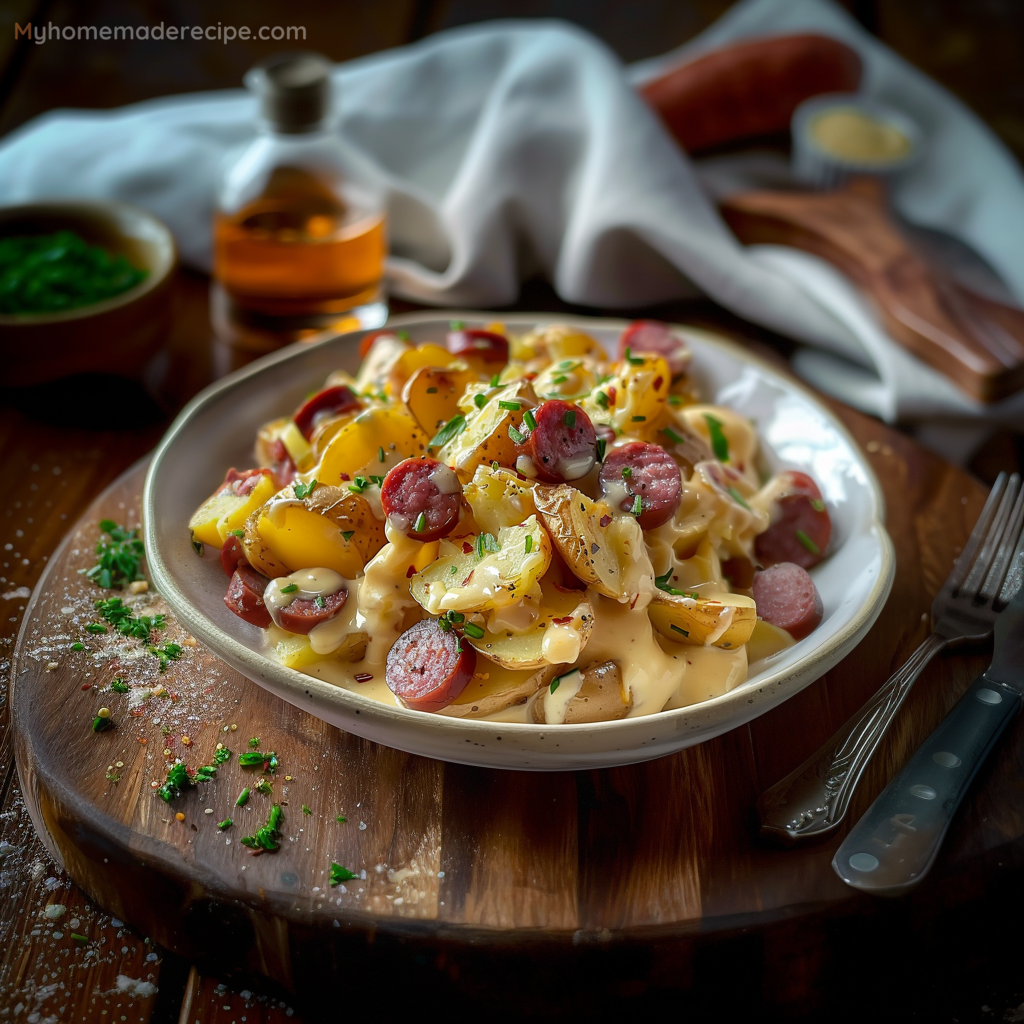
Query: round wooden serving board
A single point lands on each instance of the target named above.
(541, 890)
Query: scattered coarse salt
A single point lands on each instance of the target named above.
(209, 810)
(54, 911)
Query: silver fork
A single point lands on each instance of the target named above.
(813, 799)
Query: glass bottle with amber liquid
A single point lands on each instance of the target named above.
(299, 245)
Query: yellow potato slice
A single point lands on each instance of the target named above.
(566, 379)
(603, 550)
(593, 694)
(413, 359)
(636, 395)
(295, 651)
(432, 395)
(723, 620)
(468, 582)
(550, 642)
(225, 511)
(554, 342)
(374, 369)
(331, 527)
(494, 688)
(498, 498)
(357, 446)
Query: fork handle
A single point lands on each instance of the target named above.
(813, 799)
(894, 845)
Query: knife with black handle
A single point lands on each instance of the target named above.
(894, 845)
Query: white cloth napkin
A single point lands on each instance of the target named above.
(516, 147)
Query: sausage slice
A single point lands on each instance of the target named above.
(232, 554)
(800, 527)
(304, 613)
(563, 444)
(786, 597)
(245, 595)
(422, 498)
(488, 346)
(323, 405)
(655, 338)
(647, 471)
(427, 668)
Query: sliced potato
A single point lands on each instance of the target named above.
(486, 437)
(413, 359)
(735, 434)
(554, 342)
(463, 581)
(593, 694)
(268, 434)
(432, 395)
(566, 379)
(498, 498)
(722, 620)
(357, 446)
(331, 527)
(294, 651)
(225, 510)
(605, 551)
(638, 389)
(494, 688)
(562, 630)
(374, 369)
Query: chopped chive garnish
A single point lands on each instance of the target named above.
(119, 557)
(78, 647)
(807, 542)
(555, 683)
(662, 583)
(627, 472)
(515, 435)
(675, 400)
(359, 484)
(290, 589)
(319, 601)
(402, 335)
(96, 627)
(444, 625)
(455, 426)
(342, 819)
(431, 391)
(254, 743)
(495, 380)
(102, 724)
(672, 435)
(348, 534)
(340, 874)
(380, 454)
(456, 325)
(238, 533)
(817, 505)
(738, 498)
(638, 506)
(529, 421)
(304, 490)
(630, 358)
(528, 544)
(513, 406)
(494, 465)
(243, 798)
(560, 379)
(679, 629)
(266, 836)
(226, 823)
(479, 401)
(421, 523)
(306, 810)
(602, 444)
(119, 686)
(79, 938)
(378, 480)
(453, 570)
(456, 617)
(638, 419)
(569, 419)
(719, 444)
(602, 399)
(473, 630)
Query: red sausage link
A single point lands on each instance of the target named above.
(485, 345)
(800, 526)
(563, 444)
(426, 670)
(647, 470)
(655, 338)
(749, 88)
(422, 487)
(232, 554)
(282, 465)
(787, 597)
(304, 613)
(323, 405)
(245, 596)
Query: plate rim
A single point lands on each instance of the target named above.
(815, 664)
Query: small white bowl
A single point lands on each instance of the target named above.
(816, 164)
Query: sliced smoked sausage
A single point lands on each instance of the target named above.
(786, 597)
(323, 405)
(799, 526)
(428, 667)
(561, 443)
(422, 497)
(647, 471)
(655, 338)
(481, 346)
(232, 554)
(304, 612)
(245, 596)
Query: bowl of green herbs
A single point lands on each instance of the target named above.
(85, 287)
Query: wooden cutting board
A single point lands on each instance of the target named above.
(581, 890)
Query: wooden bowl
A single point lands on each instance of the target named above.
(118, 335)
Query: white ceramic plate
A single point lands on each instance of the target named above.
(217, 430)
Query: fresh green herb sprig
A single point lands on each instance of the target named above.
(179, 779)
(120, 616)
(305, 490)
(166, 653)
(340, 874)
(455, 426)
(267, 760)
(120, 556)
(719, 442)
(662, 583)
(266, 836)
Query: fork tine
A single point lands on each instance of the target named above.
(966, 558)
(1008, 545)
(1015, 572)
(979, 571)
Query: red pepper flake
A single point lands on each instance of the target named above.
(605, 520)
(208, 689)
(467, 548)
(465, 582)
(174, 696)
(86, 686)
(363, 677)
(612, 392)
(345, 476)
(658, 381)
(410, 572)
(632, 604)
(529, 376)
(564, 619)
(137, 713)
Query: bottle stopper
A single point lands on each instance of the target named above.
(294, 90)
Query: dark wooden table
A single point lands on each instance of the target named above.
(63, 444)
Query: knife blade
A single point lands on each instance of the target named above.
(893, 847)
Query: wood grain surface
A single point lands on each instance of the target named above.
(630, 874)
